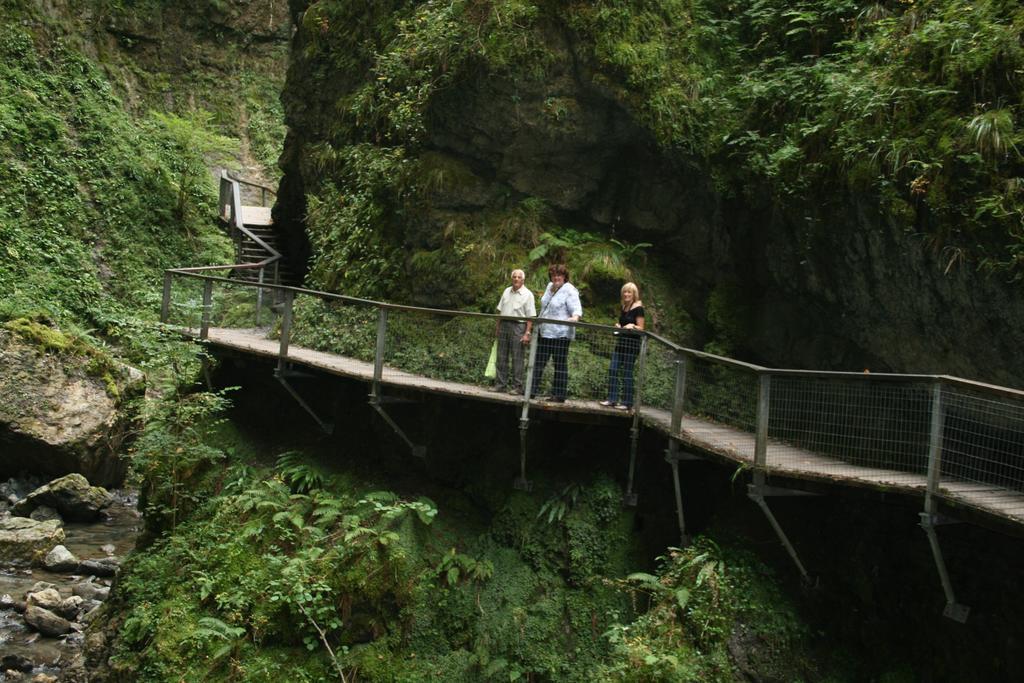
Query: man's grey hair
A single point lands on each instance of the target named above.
(518, 271)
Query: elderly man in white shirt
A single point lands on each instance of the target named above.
(516, 302)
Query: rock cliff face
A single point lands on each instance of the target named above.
(843, 285)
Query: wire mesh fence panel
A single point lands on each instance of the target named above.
(449, 347)
(186, 305)
(721, 393)
(335, 326)
(235, 305)
(659, 380)
(581, 368)
(857, 421)
(982, 453)
(721, 405)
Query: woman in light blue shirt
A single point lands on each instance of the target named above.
(561, 301)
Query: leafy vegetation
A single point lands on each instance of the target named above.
(702, 599)
(310, 572)
(807, 111)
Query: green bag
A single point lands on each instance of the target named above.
(492, 363)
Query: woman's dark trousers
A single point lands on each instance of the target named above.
(558, 351)
(623, 359)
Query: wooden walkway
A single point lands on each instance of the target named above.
(726, 442)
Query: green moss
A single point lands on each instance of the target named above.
(44, 336)
(49, 339)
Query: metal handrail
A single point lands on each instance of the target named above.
(856, 419)
(197, 272)
(236, 223)
(946, 437)
(251, 183)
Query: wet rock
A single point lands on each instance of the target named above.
(107, 566)
(60, 559)
(44, 513)
(71, 495)
(90, 591)
(16, 663)
(70, 608)
(9, 602)
(60, 416)
(47, 599)
(46, 622)
(41, 586)
(44, 678)
(26, 541)
(89, 611)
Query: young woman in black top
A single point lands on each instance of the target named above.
(627, 347)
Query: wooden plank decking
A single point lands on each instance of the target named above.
(725, 441)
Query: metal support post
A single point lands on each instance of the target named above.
(286, 329)
(378, 359)
(325, 426)
(929, 518)
(761, 442)
(376, 397)
(630, 498)
(417, 450)
(934, 450)
(679, 399)
(756, 492)
(259, 297)
(672, 458)
(672, 455)
(521, 482)
(204, 328)
(165, 303)
(634, 432)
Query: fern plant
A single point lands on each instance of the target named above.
(299, 473)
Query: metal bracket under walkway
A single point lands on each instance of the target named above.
(376, 394)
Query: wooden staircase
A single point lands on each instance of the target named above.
(258, 256)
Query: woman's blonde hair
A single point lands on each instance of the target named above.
(629, 287)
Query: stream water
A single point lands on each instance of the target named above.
(114, 535)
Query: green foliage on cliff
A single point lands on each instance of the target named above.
(916, 102)
(104, 178)
(808, 110)
(705, 606)
(312, 573)
(89, 213)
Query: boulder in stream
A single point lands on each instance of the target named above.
(70, 608)
(44, 513)
(8, 602)
(90, 590)
(47, 599)
(71, 495)
(16, 663)
(46, 622)
(62, 411)
(106, 566)
(60, 559)
(26, 541)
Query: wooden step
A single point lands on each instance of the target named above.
(256, 215)
(255, 250)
